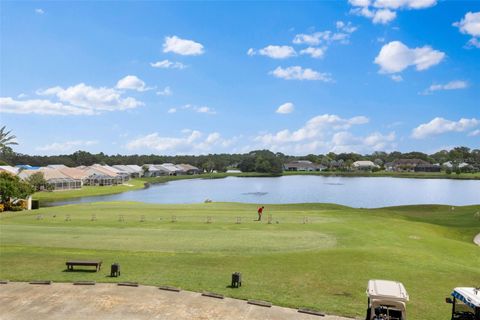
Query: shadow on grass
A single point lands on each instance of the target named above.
(80, 270)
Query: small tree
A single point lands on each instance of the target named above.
(37, 181)
(12, 188)
(145, 169)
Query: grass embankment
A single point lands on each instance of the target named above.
(419, 175)
(324, 264)
(132, 184)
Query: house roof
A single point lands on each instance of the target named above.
(123, 168)
(48, 174)
(73, 172)
(134, 167)
(386, 289)
(364, 163)
(187, 167)
(9, 169)
(99, 171)
(170, 167)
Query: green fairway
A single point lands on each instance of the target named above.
(314, 255)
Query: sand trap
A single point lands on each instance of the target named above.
(19, 300)
(477, 239)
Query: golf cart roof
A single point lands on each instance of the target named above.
(387, 290)
(469, 296)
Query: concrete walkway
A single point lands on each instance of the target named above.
(477, 239)
(20, 300)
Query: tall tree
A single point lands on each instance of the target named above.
(6, 138)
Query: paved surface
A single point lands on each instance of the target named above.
(477, 239)
(20, 300)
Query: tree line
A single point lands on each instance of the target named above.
(254, 161)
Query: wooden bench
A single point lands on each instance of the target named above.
(97, 264)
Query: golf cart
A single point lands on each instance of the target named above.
(386, 300)
(465, 304)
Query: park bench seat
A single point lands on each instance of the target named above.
(94, 263)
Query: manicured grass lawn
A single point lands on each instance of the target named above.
(324, 264)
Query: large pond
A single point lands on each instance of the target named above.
(351, 191)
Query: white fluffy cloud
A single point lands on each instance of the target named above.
(299, 73)
(199, 109)
(474, 133)
(285, 108)
(80, 99)
(165, 92)
(384, 11)
(95, 99)
(470, 24)
(452, 85)
(345, 141)
(192, 142)
(383, 16)
(132, 83)
(396, 77)
(40, 106)
(314, 128)
(182, 46)
(39, 11)
(66, 146)
(440, 125)
(407, 4)
(325, 133)
(276, 52)
(342, 35)
(167, 64)
(396, 57)
(314, 52)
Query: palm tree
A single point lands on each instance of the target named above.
(6, 139)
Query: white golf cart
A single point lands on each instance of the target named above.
(465, 304)
(386, 300)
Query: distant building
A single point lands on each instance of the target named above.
(54, 178)
(364, 165)
(406, 165)
(100, 176)
(156, 170)
(9, 169)
(73, 173)
(303, 165)
(133, 171)
(188, 168)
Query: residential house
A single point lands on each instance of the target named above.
(73, 173)
(54, 178)
(189, 169)
(133, 171)
(172, 169)
(364, 165)
(406, 165)
(9, 169)
(303, 165)
(156, 170)
(99, 176)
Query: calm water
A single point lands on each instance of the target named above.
(354, 192)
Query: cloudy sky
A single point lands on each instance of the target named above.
(196, 78)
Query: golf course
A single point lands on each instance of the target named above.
(319, 256)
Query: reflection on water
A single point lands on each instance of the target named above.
(366, 192)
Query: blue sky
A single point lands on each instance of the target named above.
(209, 77)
